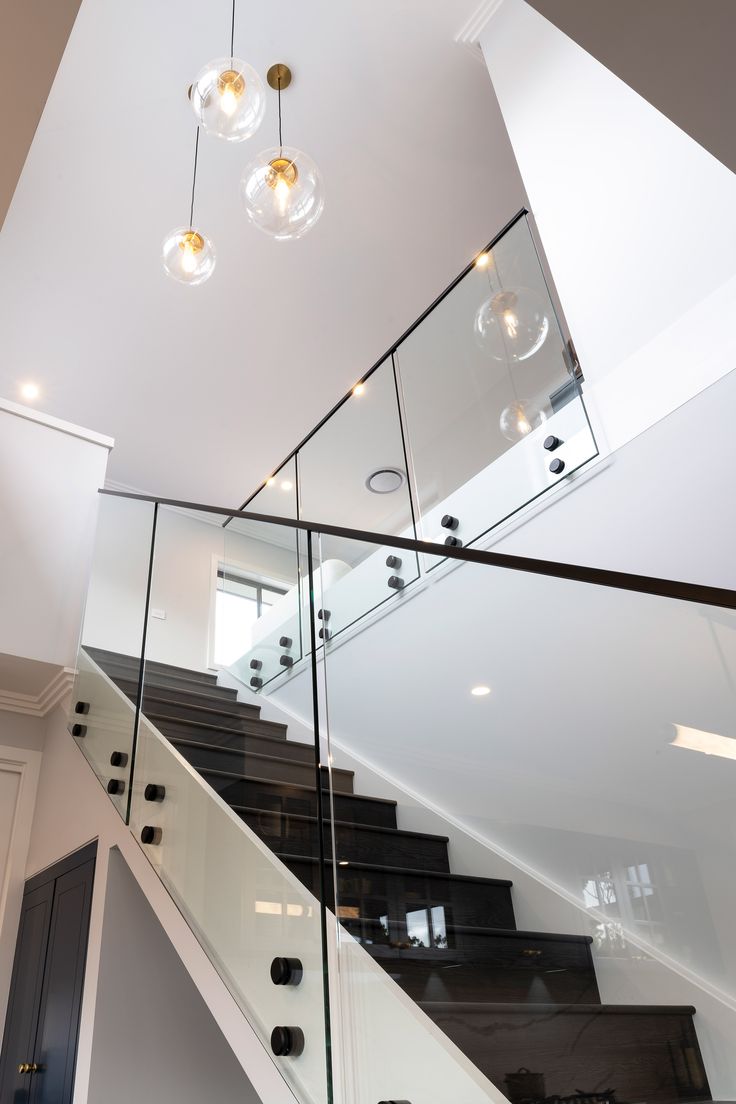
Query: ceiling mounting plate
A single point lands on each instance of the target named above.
(279, 76)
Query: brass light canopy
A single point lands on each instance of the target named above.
(279, 76)
(282, 170)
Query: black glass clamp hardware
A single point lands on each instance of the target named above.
(551, 443)
(81, 707)
(557, 466)
(286, 971)
(453, 542)
(287, 1040)
(149, 834)
(116, 786)
(393, 561)
(154, 792)
(395, 582)
(285, 642)
(255, 664)
(286, 661)
(324, 615)
(256, 682)
(449, 522)
(78, 730)
(119, 759)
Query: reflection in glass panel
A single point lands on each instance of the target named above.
(352, 473)
(485, 380)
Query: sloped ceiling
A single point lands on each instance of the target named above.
(206, 389)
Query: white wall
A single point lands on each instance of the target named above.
(635, 218)
(49, 475)
(19, 767)
(154, 1037)
(187, 551)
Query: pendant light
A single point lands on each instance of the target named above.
(188, 255)
(512, 325)
(281, 188)
(227, 96)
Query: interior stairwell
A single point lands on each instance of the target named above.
(523, 1006)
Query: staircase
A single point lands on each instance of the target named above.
(523, 1006)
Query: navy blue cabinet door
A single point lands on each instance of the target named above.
(46, 991)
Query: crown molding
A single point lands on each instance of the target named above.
(38, 705)
(474, 26)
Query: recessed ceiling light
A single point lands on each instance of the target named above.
(359, 389)
(480, 691)
(30, 391)
(270, 481)
(483, 260)
(287, 485)
(385, 480)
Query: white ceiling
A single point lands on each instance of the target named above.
(206, 389)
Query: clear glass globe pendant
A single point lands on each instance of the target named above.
(227, 99)
(282, 194)
(188, 256)
(281, 189)
(512, 325)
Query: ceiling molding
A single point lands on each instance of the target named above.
(473, 27)
(38, 705)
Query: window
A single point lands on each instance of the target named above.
(239, 602)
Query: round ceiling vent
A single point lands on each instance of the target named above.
(385, 480)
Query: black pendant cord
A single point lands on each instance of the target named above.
(194, 181)
(232, 35)
(281, 141)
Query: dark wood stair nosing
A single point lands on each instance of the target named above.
(520, 1008)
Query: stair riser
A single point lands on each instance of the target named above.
(239, 759)
(245, 720)
(219, 698)
(127, 667)
(278, 798)
(274, 770)
(372, 894)
(475, 983)
(220, 733)
(120, 673)
(285, 835)
(644, 1057)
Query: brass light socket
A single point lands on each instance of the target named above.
(279, 76)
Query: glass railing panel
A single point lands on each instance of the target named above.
(242, 902)
(260, 585)
(353, 473)
(485, 382)
(109, 660)
(551, 765)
